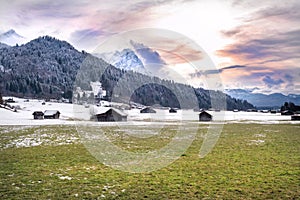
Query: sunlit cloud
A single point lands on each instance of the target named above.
(266, 41)
(274, 48)
(215, 71)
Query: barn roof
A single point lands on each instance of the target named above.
(38, 113)
(102, 110)
(148, 109)
(51, 112)
(205, 113)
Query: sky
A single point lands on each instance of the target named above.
(253, 45)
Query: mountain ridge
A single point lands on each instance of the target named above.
(263, 100)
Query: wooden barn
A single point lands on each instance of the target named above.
(51, 114)
(147, 110)
(38, 115)
(205, 116)
(295, 118)
(109, 114)
(10, 100)
(172, 110)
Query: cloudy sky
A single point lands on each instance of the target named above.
(253, 44)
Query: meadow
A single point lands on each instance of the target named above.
(249, 161)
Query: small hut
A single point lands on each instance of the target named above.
(10, 100)
(109, 114)
(295, 118)
(205, 116)
(38, 115)
(172, 110)
(147, 110)
(51, 114)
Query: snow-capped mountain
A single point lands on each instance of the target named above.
(137, 57)
(12, 38)
(125, 59)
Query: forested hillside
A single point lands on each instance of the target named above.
(44, 67)
(50, 68)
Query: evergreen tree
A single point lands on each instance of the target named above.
(1, 100)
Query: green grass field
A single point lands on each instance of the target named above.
(249, 161)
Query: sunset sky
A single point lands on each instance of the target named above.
(253, 44)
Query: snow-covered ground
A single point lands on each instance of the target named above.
(71, 114)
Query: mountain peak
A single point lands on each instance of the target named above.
(123, 59)
(11, 33)
(11, 37)
(50, 41)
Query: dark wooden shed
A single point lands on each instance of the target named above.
(147, 110)
(172, 110)
(205, 116)
(51, 114)
(38, 115)
(295, 118)
(106, 114)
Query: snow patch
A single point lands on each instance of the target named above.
(37, 139)
(256, 142)
(61, 177)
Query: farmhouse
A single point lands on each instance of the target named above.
(38, 115)
(51, 114)
(172, 110)
(109, 114)
(147, 110)
(204, 116)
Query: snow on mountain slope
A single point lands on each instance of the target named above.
(12, 38)
(125, 59)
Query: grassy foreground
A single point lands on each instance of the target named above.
(249, 161)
